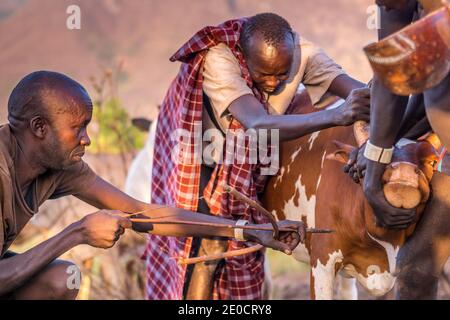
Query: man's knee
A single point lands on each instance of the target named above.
(62, 279)
(67, 280)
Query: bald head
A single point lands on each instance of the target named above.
(45, 94)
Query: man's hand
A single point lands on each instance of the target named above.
(103, 228)
(356, 107)
(387, 215)
(357, 164)
(288, 239)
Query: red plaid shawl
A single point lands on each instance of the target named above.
(177, 183)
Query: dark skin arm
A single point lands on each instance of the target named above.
(251, 114)
(343, 85)
(99, 230)
(101, 194)
(387, 111)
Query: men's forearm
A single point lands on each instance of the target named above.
(388, 109)
(15, 271)
(180, 230)
(343, 85)
(386, 114)
(105, 196)
(298, 125)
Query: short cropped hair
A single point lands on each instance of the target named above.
(271, 26)
(28, 98)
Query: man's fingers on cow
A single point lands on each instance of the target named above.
(352, 157)
(363, 172)
(363, 102)
(351, 171)
(364, 117)
(398, 215)
(400, 212)
(399, 225)
(397, 220)
(361, 92)
(348, 167)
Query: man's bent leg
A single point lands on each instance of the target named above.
(60, 280)
(423, 257)
(200, 282)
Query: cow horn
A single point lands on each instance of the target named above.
(361, 132)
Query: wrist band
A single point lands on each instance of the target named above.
(238, 232)
(377, 154)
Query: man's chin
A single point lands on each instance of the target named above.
(271, 90)
(76, 159)
(67, 164)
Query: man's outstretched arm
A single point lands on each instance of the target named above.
(103, 195)
(251, 114)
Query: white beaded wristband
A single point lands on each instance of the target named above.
(239, 232)
(377, 154)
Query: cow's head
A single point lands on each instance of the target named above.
(407, 178)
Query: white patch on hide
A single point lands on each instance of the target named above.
(306, 207)
(324, 275)
(377, 283)
(313, 138)
(295, 154)
(279, 178)
(391, 252)
(321, 167)
(346, 289)
(283, 168)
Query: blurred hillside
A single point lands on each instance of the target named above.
(144, 33)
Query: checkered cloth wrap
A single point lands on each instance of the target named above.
(176, 183)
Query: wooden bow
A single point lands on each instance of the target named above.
(165, 219)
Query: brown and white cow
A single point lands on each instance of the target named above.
(314, 189)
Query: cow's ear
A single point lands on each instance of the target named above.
(340, 155)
